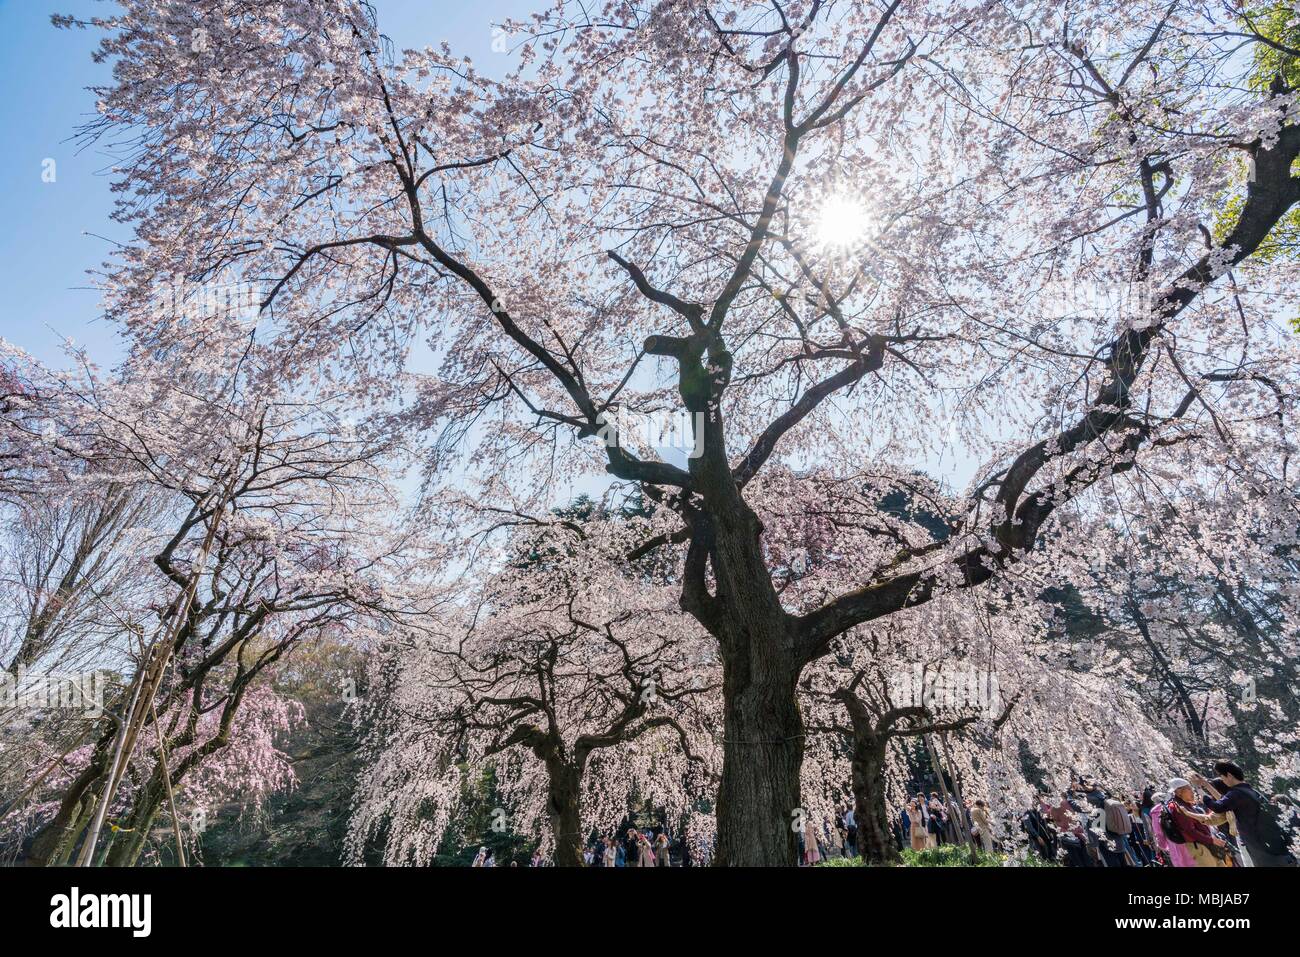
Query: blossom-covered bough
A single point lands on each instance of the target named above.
(582, 687)
(1208, 643)
(1050, 269)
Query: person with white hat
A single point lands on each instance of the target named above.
(1205, 846)
(1176, 854)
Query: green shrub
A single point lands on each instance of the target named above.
(949, 855)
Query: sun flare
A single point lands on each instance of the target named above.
(841, 222)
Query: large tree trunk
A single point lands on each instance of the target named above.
(564, 805)
(758, 808)
(54, 843)
(875, 839)
(758, 800)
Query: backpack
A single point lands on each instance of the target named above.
(1172, 834)
(1268, 823)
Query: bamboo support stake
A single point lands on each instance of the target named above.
(157, 664)
(171, 795)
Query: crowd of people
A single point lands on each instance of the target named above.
(638, 848)
(931, 822)
(650, 847)
(1192, 822)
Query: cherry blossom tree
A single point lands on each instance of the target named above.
(237, 764)
(269, 527)
(582, 687)
(970, 686)
(871, 721)
(842, 237)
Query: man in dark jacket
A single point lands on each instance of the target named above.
(1040, 835)
(1265, 841)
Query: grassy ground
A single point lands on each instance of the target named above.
(947, 856)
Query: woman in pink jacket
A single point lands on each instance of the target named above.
(1178, 854)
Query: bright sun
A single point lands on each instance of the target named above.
(841, 222)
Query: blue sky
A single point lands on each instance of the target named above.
(52, 232)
